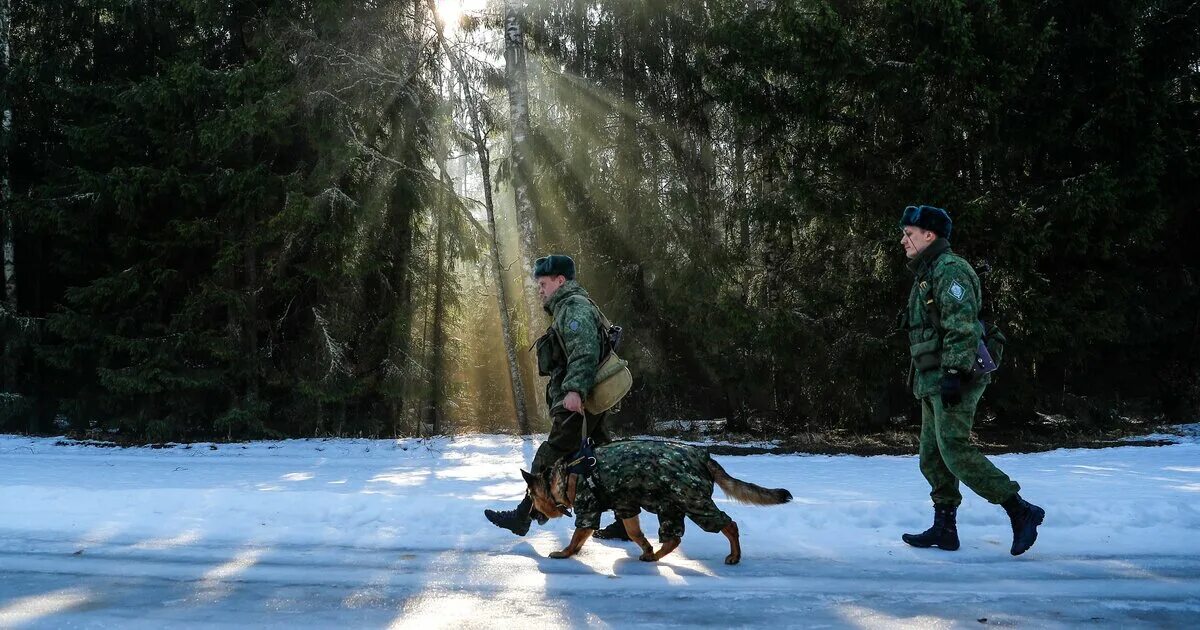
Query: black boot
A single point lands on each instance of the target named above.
(516, 521)
(1025, 518)
(943, 534)
(616, 531)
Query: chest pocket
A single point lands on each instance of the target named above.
(549, 352)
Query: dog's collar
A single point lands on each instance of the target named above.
(558, 483)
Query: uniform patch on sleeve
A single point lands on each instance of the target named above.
(957, 291)
(574, 325)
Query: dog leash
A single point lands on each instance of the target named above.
(583, 463)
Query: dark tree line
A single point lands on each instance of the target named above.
(241, 218)
(750, 162)
(224, 212)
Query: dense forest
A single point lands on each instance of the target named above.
(229, 219)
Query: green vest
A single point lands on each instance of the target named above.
(942, 317)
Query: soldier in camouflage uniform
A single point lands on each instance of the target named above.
(569, 353)
(944, 332)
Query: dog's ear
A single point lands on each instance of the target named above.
(530, 478)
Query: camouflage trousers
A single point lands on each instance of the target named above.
(948, 456)
(566, 432)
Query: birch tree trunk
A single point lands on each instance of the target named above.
(516, 83)
(479, 141)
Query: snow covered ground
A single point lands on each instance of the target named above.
(356, 533)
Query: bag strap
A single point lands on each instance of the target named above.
(603, 318)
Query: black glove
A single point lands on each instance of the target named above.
(951, 389)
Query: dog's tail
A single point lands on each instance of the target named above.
(744, 491)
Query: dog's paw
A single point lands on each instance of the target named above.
(559, 555)
(732, 559)
(648, 557)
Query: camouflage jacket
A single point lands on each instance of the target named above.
(570, 351)
(664, 478)
(942, 334)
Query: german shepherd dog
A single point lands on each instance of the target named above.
(666, 478)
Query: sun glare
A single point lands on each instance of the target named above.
(452, 11)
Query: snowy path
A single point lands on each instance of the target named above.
(354, 533)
